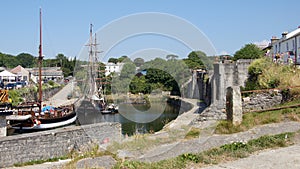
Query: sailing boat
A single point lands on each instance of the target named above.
(96, 93)
(34, 116)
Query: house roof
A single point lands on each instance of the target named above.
(19, 70)
(47, 71)
(293, 33)
(7, 74)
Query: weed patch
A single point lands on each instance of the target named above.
(192, 133)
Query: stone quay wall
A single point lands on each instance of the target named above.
(261, 101)
(225, 75)
(177, 101)
(55, 143)
(47, 93)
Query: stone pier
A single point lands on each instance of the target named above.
(234, 109)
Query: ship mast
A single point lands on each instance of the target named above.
(40, 63)
(91, 62)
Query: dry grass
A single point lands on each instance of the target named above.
(192, 133)
(145, 142)
(251, 120)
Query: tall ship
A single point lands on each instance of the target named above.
(93, 98)
(36, 115)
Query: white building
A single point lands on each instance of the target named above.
(48, 73)
(288, 46)
(22, 73)
(113, 68)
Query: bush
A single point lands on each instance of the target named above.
(51, 82)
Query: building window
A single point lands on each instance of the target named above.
(293, 44)
(287, 46)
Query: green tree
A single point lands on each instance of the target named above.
(194, 61)
(138, 62)
(172, 57)
(66, 65)
(124, 59)
(139, 85)
(113, 60)
(26, 60)
(128, 70)
(249, 51)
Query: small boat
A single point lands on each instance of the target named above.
(34, 115)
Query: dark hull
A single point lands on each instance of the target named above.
(44, 123)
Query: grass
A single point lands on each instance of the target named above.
(144, 142)
(251, 120)
(217, 155)
(92, 153)
(223, 153)
(193, 133)
(33, 162)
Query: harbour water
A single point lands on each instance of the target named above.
(139, 118)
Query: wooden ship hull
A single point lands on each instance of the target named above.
(27, 118)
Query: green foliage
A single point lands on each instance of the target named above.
(264, 74)
(171, 57)
(26, 60)
(232, 151)
(139, 85)
(124, 59)
(66, 65)
(23, 59)
(34, 162)
(128, 71)
(251, 120)
(166, 75)
(138, 62)
(257, 66)
(237, 149)
(113, 60)
(235, 146)
(15, 97)
(193, 61)
(190, 157)
(279, 140)
(51, 82)
(249, 51)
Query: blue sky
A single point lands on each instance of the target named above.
(228, 25)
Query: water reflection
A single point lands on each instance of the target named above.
(141, 114)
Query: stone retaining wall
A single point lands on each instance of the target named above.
(47, 93)
(184, 106)
(55, 143)
(260, 101)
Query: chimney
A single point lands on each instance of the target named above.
(284, 34)
(274, 39)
